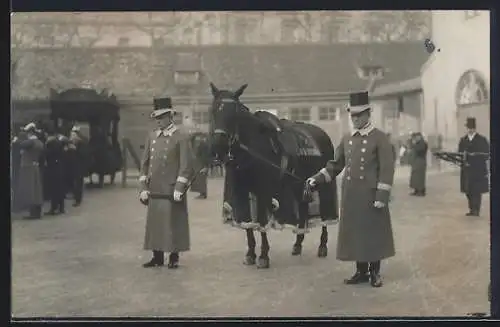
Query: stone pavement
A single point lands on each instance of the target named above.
(87, 263)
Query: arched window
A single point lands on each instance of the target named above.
(471, 89)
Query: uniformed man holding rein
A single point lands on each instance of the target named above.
(166, 169)
(365, 232)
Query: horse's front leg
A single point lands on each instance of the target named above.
(263, 219)
(250, 256)
(303, 215)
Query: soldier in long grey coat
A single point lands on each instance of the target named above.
(166, 168)
(29, 191)
(202, 156)
(418, 162)
(365, 232)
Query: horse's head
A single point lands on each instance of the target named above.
(225, 118)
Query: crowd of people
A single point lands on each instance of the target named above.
(46, 165)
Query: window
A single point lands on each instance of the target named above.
(123, 41)
(367, 72)
(469, 14)
(201, 117)
(329, 113)
(288, 28)
(300, 114)
(471, 89)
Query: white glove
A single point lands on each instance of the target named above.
(144, 195)
(177, 196)
(311, 181)
(378, 204)
(204, 171)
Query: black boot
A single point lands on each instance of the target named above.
(361, 275)
(375, 279)
(158, 260)
(173, 260)
(61, 206)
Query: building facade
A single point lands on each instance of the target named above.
(297, 72)
(456, 77)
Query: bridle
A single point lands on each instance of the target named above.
(233, 137)
(234, 141)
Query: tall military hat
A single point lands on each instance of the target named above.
(358, 102)
(161, 107)
(471, 123)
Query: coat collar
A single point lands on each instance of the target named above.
(365, 130)
(471, 136)
(168, 131)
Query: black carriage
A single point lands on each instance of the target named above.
(101, 112)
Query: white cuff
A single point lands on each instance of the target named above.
(325, 173)
(143, 178)
(182, 179)
(383, 186)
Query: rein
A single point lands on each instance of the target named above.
(235, 142)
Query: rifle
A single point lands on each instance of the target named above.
(459, 158)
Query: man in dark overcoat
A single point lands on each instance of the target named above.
(365, 231)
(29, 193)
(418, 162)
(474, 172)
(202, 154)
(166, 169)
(55, 157)
(76, 165)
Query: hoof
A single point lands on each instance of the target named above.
(263, 263)
(322, 252)
(249, 260)
(297, 250)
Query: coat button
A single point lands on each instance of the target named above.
(361, 177)
(364, 142)
(151, 157)
(362, 168)
(363, 150)
(348, 178)
(154, 141)
(350, 142)
(362, 159)
(152, 149)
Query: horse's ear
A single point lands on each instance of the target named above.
(214, 89)
(240, 91)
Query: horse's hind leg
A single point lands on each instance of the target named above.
(323, 244)
(250, 256)
(264, 252)
(327, 209)
(303, 215)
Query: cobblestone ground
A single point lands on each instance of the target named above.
(87, 263)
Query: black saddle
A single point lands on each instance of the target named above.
(295, 140)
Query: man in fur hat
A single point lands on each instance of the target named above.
(474, 172)
(29, 192)
(365, 232)
(166, 169)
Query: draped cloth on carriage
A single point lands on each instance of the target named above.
(298, 143)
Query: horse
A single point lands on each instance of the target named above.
(269, 159)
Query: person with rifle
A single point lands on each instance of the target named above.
(166, 170)
(474, 172)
